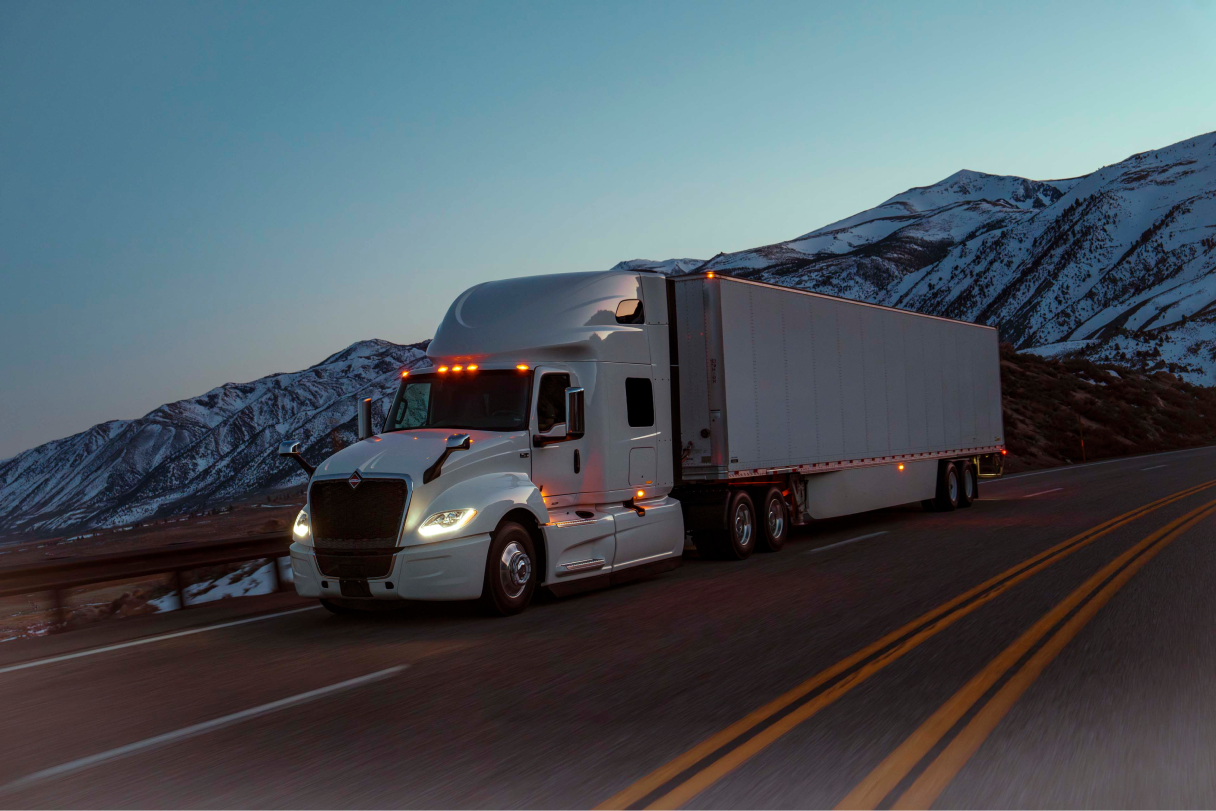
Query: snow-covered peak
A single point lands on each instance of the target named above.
(966, 185)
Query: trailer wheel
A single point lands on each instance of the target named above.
(969, 484)
(948, 488)
(774, 521)
(510, 578)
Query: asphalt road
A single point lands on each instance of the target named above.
(1051, 646)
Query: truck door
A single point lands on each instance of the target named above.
(556, 467)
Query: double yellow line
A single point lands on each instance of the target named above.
(1067, 618)
(677, 782)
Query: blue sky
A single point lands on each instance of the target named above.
(195, 193)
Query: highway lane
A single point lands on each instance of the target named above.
(578, 700)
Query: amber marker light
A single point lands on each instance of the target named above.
(472, 367)
(901, 467)
(405, 374)
(710, 275)
(523, 367)
(442, 369)
(639, 494)
(457, 368)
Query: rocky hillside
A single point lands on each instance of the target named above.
(220, 445)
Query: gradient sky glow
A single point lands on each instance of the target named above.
(194, 193)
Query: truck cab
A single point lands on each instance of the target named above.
(536, 449)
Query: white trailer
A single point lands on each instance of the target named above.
(844, 406)
(571, 428)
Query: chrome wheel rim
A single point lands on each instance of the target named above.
(743, 524)
(952, 485)
(775, 518)
(514, 569)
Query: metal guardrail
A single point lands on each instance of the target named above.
(69, 573)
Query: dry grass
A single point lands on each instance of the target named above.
(1119, 414)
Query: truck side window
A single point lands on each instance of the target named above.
(630, 311)
(551, 401)
(639, 402)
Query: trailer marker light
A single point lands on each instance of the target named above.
(639, 494)
(405, 374)
(457, 368)
(523, 367)
(471, 367)
(1004, 452)
(901, 467)
(710, 275)
(443, 369)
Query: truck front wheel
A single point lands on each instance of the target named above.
(511, 575)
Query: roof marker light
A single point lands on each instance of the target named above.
(472, 367)
(405, 374)
(457, 368)
(710, 274)
(442, 369)
(523, 367)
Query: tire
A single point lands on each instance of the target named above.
(947, 488)
(969, 484)
(510, 579)
(738, 540)
(774, 521)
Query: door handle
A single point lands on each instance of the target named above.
(578, 462)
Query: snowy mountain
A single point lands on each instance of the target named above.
(221, 445)
(1118, 265)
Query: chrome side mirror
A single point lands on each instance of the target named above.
(291, 449)
(365, 418)
(456, 442)
(576, 417)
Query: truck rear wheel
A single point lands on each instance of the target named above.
(947, 488)
(774, 521)
(969, 484)
(735, 538)
(510, 578)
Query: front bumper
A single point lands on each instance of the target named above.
(442, 570)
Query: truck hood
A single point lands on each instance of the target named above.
(412, 452)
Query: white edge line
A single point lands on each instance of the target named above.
(1154, 467)
(842, 543)
(149, 640)
(194, 730)
(1044, 492)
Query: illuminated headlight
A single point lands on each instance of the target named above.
(302, 529)
(447, 521)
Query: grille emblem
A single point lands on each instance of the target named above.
(354, 480)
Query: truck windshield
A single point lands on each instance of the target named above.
(483, 401)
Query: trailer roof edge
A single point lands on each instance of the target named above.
(701, 275)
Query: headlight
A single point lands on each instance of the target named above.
(447, 521)
(302, 529)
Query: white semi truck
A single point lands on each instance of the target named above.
(573, 430)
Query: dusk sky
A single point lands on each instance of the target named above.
(195, 193)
